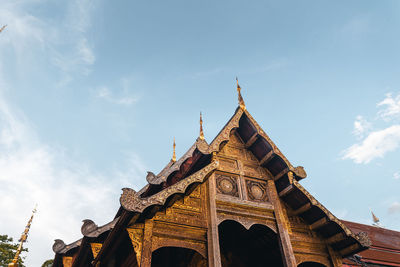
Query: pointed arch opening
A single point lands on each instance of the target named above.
(177, 257)
(255, 247)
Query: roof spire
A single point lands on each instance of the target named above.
(375, 219)
(201, 127)
(173, 153)
(240, 98)
(22, 240)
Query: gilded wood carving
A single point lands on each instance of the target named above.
(256, 191)
(136, 236)
(96, 247)
(132, 201)
(67, 261)
(227, 185)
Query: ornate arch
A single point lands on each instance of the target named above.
(198, 247)
(300, 259)
(246, 222)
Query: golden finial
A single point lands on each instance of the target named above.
(22, 240)
(173, 153)
(201, 128)
(2, 28)
(240, 98)
(375, 219)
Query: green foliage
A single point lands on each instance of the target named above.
(8, 250)
(47, 263)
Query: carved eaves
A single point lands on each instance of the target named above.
(90, 229)
(60, 247)
(362, 240)
(130, 200)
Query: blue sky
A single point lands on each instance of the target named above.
(93, 92)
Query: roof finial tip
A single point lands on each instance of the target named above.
(173, 153)
(240, 98)
(201, 136)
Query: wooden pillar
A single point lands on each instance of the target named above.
(288, 257)
(145, 260)
(214, 257)
(335, 258)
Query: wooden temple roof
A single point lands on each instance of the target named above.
(384, 250)
(181, 176)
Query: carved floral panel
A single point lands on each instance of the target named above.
(227, 185)
(256, 191)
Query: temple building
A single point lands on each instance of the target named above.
(236, 201)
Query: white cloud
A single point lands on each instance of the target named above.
(391, 107)
(375, 145)
(361, 125)
(394, 208)
(63, 42)
(121, 99)
(396, 175)
(356, 27)
(66, 191)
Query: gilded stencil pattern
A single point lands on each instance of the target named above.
(136, 236)
(96, 247)
(67, 261)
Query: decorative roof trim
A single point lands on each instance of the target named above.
(130, 200)
(90, 229)
(172, 166)
(60, 247)
(223, 135)
(361, 238)
(261, 132)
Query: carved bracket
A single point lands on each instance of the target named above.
(136, 236)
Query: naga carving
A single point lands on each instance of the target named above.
(131, 200)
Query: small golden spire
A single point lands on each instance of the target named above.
(201, 128)
(173, 153)
(240, 98)
(375, 219)
(2, 28)
(22, 240)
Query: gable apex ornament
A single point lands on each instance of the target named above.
(173, 152)
(201, 136)
(240, 98)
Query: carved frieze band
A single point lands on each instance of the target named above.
(136, 236)
(227, 185)
(256, 191)
(131, 200)
(96, 247)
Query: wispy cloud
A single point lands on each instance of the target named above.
(361, 126)
(356, 27)
(394, 208)
(66, 191)
(106, 94)
(63, 42)
(396, 175)
(376, 143)
(391, 107)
